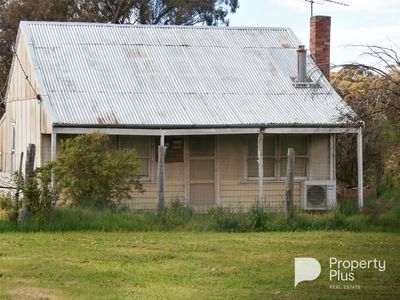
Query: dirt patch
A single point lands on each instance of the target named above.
(33, 293)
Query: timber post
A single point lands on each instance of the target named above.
(30, 162)
(360, 184)
(161, 174)
(290, 182)
(18, 187)
(260, 160)
(23, 213)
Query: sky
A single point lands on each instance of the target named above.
(363, 22)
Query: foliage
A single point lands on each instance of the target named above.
(8, 206)
(381, 215)
(91, 173)
(259, 219)
(228, 221)
(168, 12)
(374, 95)
(36, 197)
(177, 214)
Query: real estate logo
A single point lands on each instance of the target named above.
(306, 269)
(340, 271)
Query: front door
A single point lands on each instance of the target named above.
(202, 171)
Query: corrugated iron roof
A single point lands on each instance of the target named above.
(103, 74)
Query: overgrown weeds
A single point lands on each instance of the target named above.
(379, 215)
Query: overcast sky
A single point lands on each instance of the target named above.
(372, 22)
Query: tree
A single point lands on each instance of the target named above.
(373, 92)
(165, 12)
(90, 172)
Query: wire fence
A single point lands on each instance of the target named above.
(222, 171)
(206, 172)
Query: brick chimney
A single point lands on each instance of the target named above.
(320, 42)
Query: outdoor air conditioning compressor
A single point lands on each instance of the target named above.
(319, 194)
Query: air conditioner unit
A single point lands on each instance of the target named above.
(319, 194)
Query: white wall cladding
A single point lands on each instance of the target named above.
(176, 76)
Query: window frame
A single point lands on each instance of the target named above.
(277, 158)
(144, 178)
(13, 139)
(167, 143)
(307, 157)
(247, 157)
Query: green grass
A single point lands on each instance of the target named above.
(184, 219)
(182, 265)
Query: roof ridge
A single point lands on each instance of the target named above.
(58, 23)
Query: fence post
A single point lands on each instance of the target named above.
(19, 179)
(30, 162)
(290, 182)
(53, 157)
(360, 168)
(29, 165)
(161, 174)
(260, 154)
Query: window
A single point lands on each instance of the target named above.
(269, 145)
(141, 144)
(174, 151)
(300, 145)
(275, 155)
(13, 154)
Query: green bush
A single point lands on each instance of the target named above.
(348, 208)
(91, 173)
(177, 214)
(226, 220)
(380, 215)
(36, 198)
(37, 195)
(259, 219)
(10, 209)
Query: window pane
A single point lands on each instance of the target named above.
(201, 146)
(252, 167)
(252, 146)
(143, 167)
(268, 145)
(174, 150)
(269, 167)
(300, 167)
(140, 143)
(297, 142)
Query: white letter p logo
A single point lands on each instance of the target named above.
(306, 269)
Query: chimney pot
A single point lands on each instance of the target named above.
(301, 64)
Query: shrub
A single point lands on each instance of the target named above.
(177, 214)
(90, 173)
(348, 208)
(229, 221)
(10, 208)
(259, 219)
(36, 197)
(36, 193)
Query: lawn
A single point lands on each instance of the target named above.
(173, 265)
